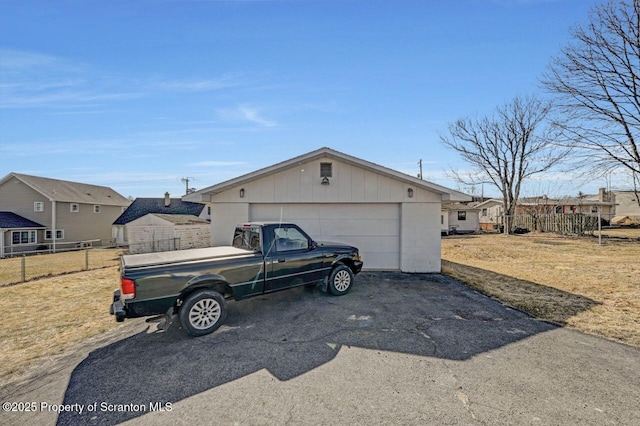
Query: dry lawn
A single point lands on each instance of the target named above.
(45, 265)
(621, 232)
(44, 318)
(569, 281)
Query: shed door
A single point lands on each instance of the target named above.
(373, 228)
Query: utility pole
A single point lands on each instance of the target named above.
(420, 164)
(186, 183)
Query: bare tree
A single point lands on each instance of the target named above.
(507, 148)
(597, 80)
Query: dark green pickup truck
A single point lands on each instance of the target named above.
(195, 284)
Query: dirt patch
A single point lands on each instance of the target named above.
(570, 281)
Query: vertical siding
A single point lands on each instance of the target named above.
(302, 184)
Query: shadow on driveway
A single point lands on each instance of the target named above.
(290, 333)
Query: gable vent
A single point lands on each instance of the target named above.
(326, 170)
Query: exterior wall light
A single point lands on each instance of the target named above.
(325, 181)
(410, 192)
(241, 192)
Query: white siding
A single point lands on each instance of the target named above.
(373, 228)
(421, 247)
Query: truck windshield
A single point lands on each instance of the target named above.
(247, 238)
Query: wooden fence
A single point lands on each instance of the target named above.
(559, 223)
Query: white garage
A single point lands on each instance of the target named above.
(393, 218)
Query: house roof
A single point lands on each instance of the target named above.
(144, 206)
(447, 194)
(9, 220)
(71, 192)
(459, 206)
(590, 200)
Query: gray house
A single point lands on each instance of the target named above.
(68, 213)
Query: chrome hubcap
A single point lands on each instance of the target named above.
(204, 313)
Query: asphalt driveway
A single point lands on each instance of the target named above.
(398, 349)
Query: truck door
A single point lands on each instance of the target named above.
(292, 259)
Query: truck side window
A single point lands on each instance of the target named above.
(246, 239)
(288, 239)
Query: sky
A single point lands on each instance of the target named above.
(139, 95)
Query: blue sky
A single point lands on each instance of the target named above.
(137, 95)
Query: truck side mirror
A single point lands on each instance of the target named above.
(313, 245)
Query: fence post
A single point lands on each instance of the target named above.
(86, 259)
(23, 268)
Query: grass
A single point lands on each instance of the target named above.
(620, 232)
(569, 281)
(44, 265)
(47, 317)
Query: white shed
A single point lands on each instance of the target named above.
(163, 232)
(393, 218)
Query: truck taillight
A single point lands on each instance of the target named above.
(128, 288)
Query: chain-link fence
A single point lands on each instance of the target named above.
(153, 246)
(31, 265)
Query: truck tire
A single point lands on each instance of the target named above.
(340, 280)
(203, 312)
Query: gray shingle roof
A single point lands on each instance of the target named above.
(144, 206)
(72, 192)
(10, 220)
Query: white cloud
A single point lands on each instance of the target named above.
(253, 115)
(217, 164)
(246, 113)
(201, 85)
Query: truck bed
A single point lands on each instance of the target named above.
(167, 257)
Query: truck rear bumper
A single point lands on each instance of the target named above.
(117, 307)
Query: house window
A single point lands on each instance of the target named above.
(59, 234)
(74, 208)
(96, 209)
(484, 212)
(441, 219)
(326, 170)
(594, 209)
(462, 215)
(23, 237)
(38, 206)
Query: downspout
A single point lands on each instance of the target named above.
(2, 231)
(53, 225)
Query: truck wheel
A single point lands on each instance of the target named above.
(203, 312)
(340, 280)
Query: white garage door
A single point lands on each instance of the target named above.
(373, 228)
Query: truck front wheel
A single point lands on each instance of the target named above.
(340, 280)
(203, 312)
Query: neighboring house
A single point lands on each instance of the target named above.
(627, 210)
(603, 204)
(155, 232)
(393, 218)
(461, 219)
(17, 232)
(70, 212)
(491, 216)
(163, 206)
